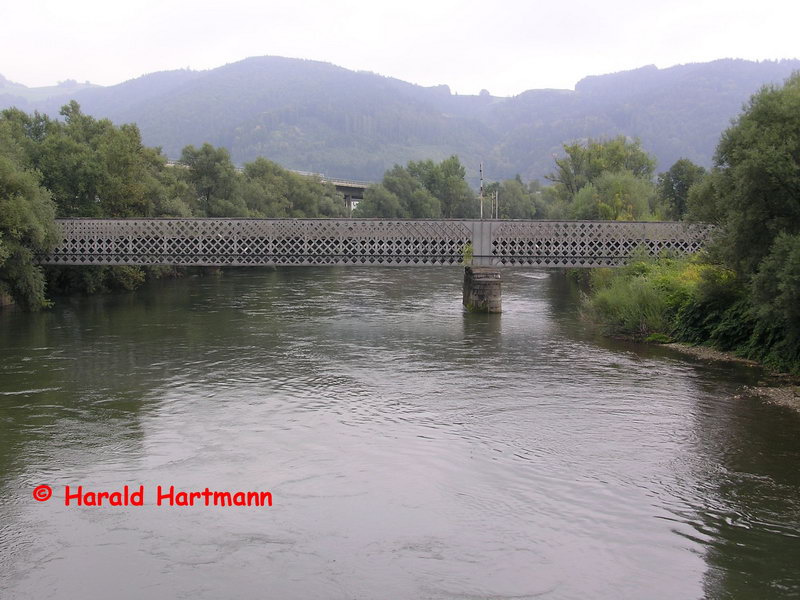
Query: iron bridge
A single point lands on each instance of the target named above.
(261, 242)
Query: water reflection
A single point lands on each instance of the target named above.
(749, 509)
(413, 450)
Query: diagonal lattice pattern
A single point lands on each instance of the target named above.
(590, 243)
(221, 242)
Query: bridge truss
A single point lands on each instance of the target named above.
(255, 242)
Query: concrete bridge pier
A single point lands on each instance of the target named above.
(482, 289)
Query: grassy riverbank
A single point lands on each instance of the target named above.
(690, 301)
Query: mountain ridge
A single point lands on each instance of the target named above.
(314, 116)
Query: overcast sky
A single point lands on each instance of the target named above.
(505, 46)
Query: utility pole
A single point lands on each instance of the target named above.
(481, 170)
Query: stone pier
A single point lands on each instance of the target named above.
(482, 289)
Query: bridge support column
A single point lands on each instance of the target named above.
(482, 290)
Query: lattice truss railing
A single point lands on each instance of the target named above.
(590, 243)
(220, 242)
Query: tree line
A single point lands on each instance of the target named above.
(611, 180)
(79, 166)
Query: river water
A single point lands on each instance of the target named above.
(411, 450)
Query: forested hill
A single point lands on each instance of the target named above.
(314, 116)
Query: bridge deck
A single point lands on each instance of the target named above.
(240, 242)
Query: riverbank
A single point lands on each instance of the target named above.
(781, 389)
(690, 300)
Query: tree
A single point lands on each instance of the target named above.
(213, 176)
(614, 196)
(757, 187)
(169, 194)
(91, 167)
(516, 199)
(776, 289)
(674, 185)
(603, 180)
(380, 202)
(416, 199)
(452, 190)
(26, 225)
(421, 190)
(584, 163)
(266, 189)
(753, 196)
(310, 197)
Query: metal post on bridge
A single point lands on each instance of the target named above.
(480, 195)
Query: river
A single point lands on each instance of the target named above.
(411, 450)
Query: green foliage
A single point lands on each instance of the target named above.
(756, 187)
(606, 180)
(632, 307)
(270, 191)
(658, 338)
(517, 200)
(776, 288)
(614, 196)
(674, 186)
(406, 193)
(446, 183)
(266, 189)
(26, 225)
(467, 254)
(96, 280)
(698, 303)
(90, 167)
(421, 190)
(642, 298)
(213, 176)
(705, 202)
(380, 202)
(584, 163)
(754, 196)
(717, 313)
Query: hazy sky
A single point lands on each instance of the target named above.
(505, 46)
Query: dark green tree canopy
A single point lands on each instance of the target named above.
(755, 189)
(674, 186)
(213, 176)
(421, 190)
(26, 223)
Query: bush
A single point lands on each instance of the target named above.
(776, 286)
(644, 297)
